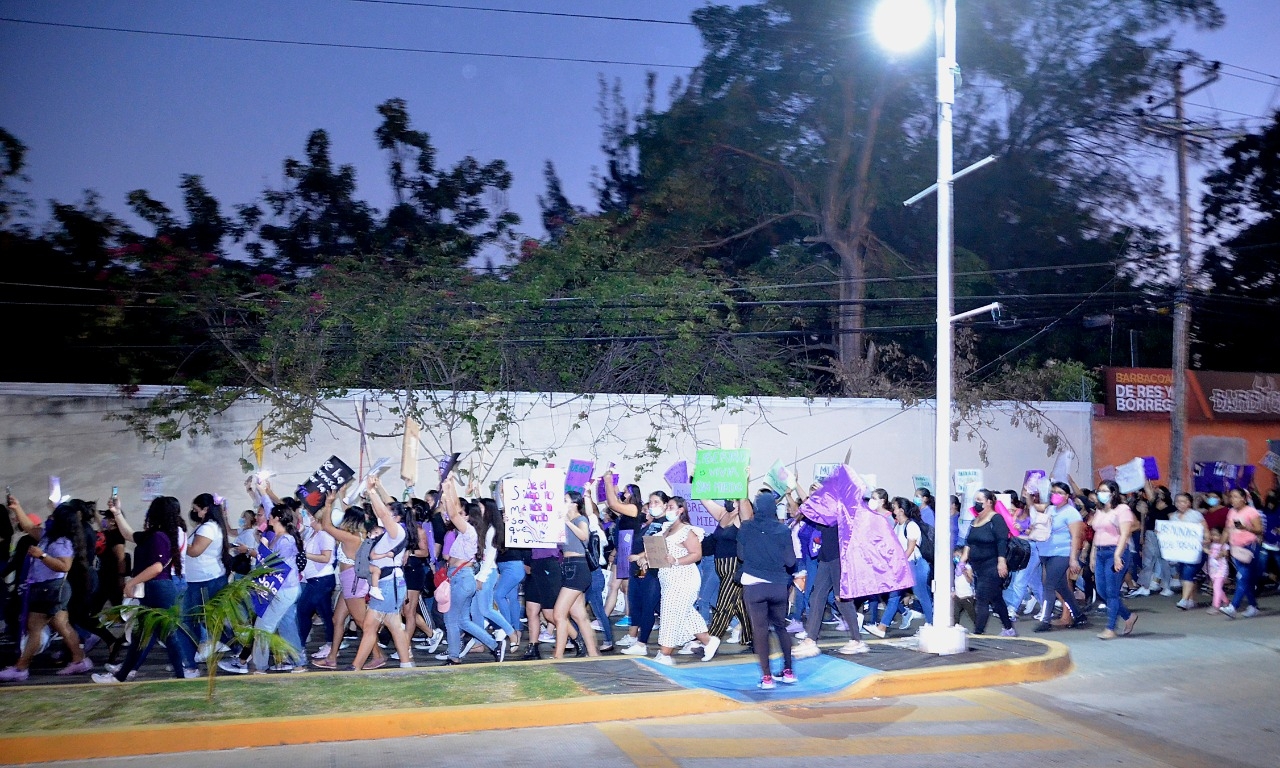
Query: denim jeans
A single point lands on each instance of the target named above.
(1154, 567)
(1054, 582)
(595, 599)
(507, 590)
(317, 598)
(920, 569)
(281, 607)
(462, 591)
(643, 596)
(1244, 582)
(158, 593)
(1109, 582)
(710, 588)
(197, 594)
(482, 608)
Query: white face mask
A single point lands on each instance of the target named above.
(875, 504)
(1104, 497)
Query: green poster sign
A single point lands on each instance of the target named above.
(721, 474)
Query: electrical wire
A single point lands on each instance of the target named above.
(589, 16)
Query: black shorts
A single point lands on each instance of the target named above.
(415, 574)
(543, 584)
(575, 574)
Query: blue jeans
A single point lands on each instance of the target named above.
(1109, 581)
(643, 596)
(595, 599)
(507, 590)
(1244, 582)
(710, 589)
(158, 593)
(920, 569)
(482, 608)
(317, 598)
(458, 619)
(193, 600)
(281, 608)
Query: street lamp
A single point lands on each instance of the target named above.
(897, 23)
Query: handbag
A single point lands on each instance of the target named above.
(1242, 554)
(441, 579)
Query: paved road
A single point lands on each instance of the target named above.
(1186, 690)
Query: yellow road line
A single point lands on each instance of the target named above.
(863, 745)
(638, 747)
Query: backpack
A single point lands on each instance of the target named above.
(366, 549)
(1018, 555)
(926, 541)
(594, 551)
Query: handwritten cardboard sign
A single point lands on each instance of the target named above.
(535, 512)
(1180, 542)
(332, 475)
(721, 474)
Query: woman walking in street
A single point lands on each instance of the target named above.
(985, 550)
(768, 558)
(1113, 525)
(681, 621)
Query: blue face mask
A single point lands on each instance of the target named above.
(1104, 497)
(1213, 501)
(919, 500)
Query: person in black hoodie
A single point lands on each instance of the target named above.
(768, 559)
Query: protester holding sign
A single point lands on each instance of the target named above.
(464, 551)
(1184, 512)
(681, 622)
(350, 535)
(629, 511)
(285, 546)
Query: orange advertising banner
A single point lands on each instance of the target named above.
(1211, 395)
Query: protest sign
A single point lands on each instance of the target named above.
(966, 477)
(535, 511)
(822, 471)
(601, 496)
(729, 436)
(655, 551)
(1151, 467)
(676, 474)
(332, 475)
(922, 481)
(379, 466)
(409, 452)
(721, 474)
(1220, 476)
(1062, 467)
(1271, 459)
(579, 475)
(448, 464)
(1036, 481)
(699, 515)
(1180, 542)
(1131, 476)
(779, 479)
(270, 583)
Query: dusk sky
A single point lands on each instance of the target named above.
(116, 111)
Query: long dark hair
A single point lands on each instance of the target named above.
(67, 522)
(493, 516)
(411, 530)
(214, 512)
(165, 516)
(475, 518)
(684, 510)
(284, 513)
(633, 497)
(909, 509)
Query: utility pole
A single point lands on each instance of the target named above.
(1181, 131)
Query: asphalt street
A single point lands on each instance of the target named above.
(1186, 689)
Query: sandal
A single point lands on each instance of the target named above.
(376, 663)
(324, 664)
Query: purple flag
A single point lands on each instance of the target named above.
(1151, 467)
(677, 474)
(872, 560)
(579, 475)
(601, 496)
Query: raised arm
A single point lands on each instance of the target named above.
(122, 523)
(611, 497)
(20, 518)
(380, 508)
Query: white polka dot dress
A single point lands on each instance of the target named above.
(680, 586)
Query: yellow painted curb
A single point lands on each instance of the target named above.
(1055, 662)
(385, 724)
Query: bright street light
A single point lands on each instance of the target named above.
(902, 26)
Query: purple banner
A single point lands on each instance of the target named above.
(272, 581)
(601, 496)
(699, 515)
(677, 474)
(579, 475)
(1150, 466)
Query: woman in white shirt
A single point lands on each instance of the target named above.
(205, 563)
(906, 524)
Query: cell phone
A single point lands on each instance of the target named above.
(115, 491)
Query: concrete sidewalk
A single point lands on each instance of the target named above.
(620, 688)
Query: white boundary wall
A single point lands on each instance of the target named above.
(59, 429)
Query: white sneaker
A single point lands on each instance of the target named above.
(499, 634)
(546, 637)
(1166, 592)
(626, 642)
(805, 649)
(106, 678)
(854, 647)
(688, 648)
(595, 624)
(709, 652)
(471, 643)
(281, 667)
(323, 653)
(1030, 607)
(636, 649)
(190, 674)
(434, 643)
(802, 635)
(664, 659)
(1141, 592)
(735, 635)
(1229, 611)
(876, 630)
(376, 593)
(1249, 612)
(234, 666)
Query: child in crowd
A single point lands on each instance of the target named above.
(962, 598)
(1216, 567)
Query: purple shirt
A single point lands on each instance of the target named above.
(41, 572)
(542, 553)
(153, 547)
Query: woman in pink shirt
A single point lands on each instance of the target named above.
(1113, 523)
(1244, 532)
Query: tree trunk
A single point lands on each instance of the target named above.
(851, 315)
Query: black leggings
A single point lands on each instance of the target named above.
(644, 595)
(767, 606)
(988, 590)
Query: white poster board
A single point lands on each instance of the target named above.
(1131, 476)
(535, 512)
(1180, 542)
(822, 471)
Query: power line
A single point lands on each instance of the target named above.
(590, 16)
(343, 46)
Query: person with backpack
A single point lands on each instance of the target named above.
(986, 550)
(388, 552)
(350, 536)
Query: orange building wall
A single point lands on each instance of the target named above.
(1116, 441)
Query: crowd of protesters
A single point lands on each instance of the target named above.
(434, 579)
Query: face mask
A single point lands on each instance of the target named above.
(1213, 501)
(194, 515)
(1057, 499)
(1104, 497)
(875, 503)
(919, 500)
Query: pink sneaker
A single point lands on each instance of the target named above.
(77, 668)
(788, 677)
(766, 683)
(13, 675)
